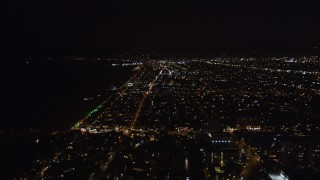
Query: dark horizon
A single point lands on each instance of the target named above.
(106, 27)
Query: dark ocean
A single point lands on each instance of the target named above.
(50, 94)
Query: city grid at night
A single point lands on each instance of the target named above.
(213, 118)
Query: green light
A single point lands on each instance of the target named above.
(95, 110)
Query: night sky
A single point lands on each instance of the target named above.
(101, 26)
